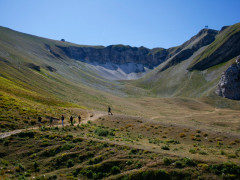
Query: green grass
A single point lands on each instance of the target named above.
(220, 40)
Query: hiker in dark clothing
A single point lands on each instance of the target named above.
(109, 111)
(62, 118)
(39, 121)
(71, 120)
(51, 122)
(79, 119)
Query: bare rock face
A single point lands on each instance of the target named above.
(118, 54)
(229, 84)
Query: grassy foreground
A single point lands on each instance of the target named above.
(120, 147)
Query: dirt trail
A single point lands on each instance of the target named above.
(92, 116)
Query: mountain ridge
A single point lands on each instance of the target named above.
(99, 67)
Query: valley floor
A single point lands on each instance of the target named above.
(178, 139)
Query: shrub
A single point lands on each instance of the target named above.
(189, 162)
(36, 167)
(173, 142)
(222, 152)
(51, 152)
(29, 134)
(70, 163)
(193, 151)
(4, 162)
(179, 164)
(148, 175)
(226, 168)
(20, 168)
(182, 135)
(129, 162)
(33, 122)
(53, 177)
(165, 148)
(138, 165)
(231, 156)
(101, 132)
(232, 143)
(6, 142)
(167, 161)
(203, 153)
(115, 170)
(133, 151)
(95, 160)
(67, 146)
(203, 166)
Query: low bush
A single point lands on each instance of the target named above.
(148, 175)
(103, 132)
(226, 168)
(165, 148)
(29, 134)
(167, 161)
(193, 151)
(189, 162)
(70, 163)
(53, 177)
(172, 142)
(67, 146)
(179, 164)
(203, 153)
(20, 168)
(95, 160)
(182, 135)
(115, 170)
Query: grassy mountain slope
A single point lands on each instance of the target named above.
(33, 77)
(147, 137)
(177, 80)
(225, 47)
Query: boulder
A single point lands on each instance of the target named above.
(229, 84)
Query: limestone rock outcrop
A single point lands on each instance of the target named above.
(229, 84)
(117, 54)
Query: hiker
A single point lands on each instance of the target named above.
(39, 121)
(62, 118)
(79, 119)
(51, 122)
(71, 120)
(109, 111)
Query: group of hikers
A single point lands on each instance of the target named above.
(71, 119)
(62, 118)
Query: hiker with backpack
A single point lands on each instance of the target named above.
(62, 118)
(109, 111)
(39, 121)
(51, 122)
(79, 119)
(71, 120)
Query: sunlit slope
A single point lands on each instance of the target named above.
(36, 62)
(178, 80)
(35, 81)
(226, 46)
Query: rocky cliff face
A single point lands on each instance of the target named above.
(149, 58)
(117, 54)
(229, 84)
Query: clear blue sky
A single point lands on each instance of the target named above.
(149, 23)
